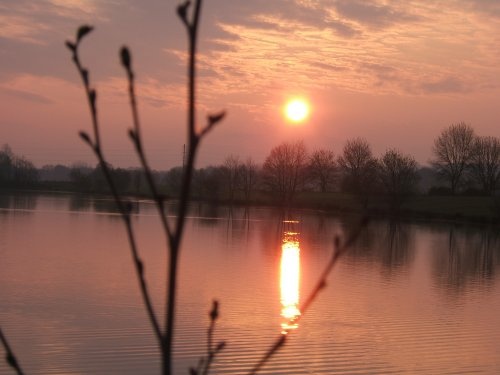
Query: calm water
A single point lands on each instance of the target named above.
(408, 298)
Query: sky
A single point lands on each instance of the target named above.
(395, 72)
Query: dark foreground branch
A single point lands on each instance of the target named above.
(174, 233)
(338, 250)
(204, 363)
(10, 358)
(123, 206)
(136, 137)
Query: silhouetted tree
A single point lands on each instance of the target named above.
(80, 176)
(284, 170)
(398, 175)
(16, 170)
(54, 173)
(249, 178)
(122, 178)
(173, 181)
(453, 151)
(359, 168)
(231, 173)
(485, 163)
(322, 169)
(6, 167)
(208, 183)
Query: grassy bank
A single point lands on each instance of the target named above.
(457, 208)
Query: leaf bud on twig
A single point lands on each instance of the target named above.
(182, 10)
(82, 31)
(214, 119)
(126, 58)
(214, 313)
(71, 46)
(220, 346)
(85, 137)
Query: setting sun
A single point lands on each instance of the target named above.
(297, 110)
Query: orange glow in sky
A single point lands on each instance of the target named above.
(395, 73)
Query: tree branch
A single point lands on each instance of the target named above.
(123, 206)
(10, 357)
(135, 136)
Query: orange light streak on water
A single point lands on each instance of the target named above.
(290, 281)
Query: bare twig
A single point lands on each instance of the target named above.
(338, 250)
(204, 363)
(10, 358)
(135, 136)
(123, 206)
(173, 233)
(193, 142)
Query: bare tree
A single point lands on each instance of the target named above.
(208, 183)
(16, 170)
(485, 163)
(398, 176)
(453, 151)
(248, 180)
(284, 169)
(232, 174)
(322, 168)
(173, 181)
(358, 167)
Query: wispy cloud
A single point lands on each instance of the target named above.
(374, 14)
(29, 21)
(21, 28)
(39, 89)
(407, 48)
(444, 85)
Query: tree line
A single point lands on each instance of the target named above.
(16, 171)
(462, 162)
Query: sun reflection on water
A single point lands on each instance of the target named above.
(290, 281)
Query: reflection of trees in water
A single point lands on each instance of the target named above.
(238, 223)
(316, 230)
(26, 202)
(466, 256)
(235, 221)
(208, 214)
(397, 244)
(79, 202)
(389, 243)
(109, 206)
(4, 201)
(271, 230)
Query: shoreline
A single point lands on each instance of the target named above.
(419, 208)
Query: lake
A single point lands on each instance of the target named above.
(407, 298)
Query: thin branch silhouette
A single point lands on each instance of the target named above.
(10, 357)
(135, 136)
(204, 363)
(194, 139)
(123, 206)
(173, 233)
(338, 250)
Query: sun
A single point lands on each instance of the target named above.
(297, 110)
